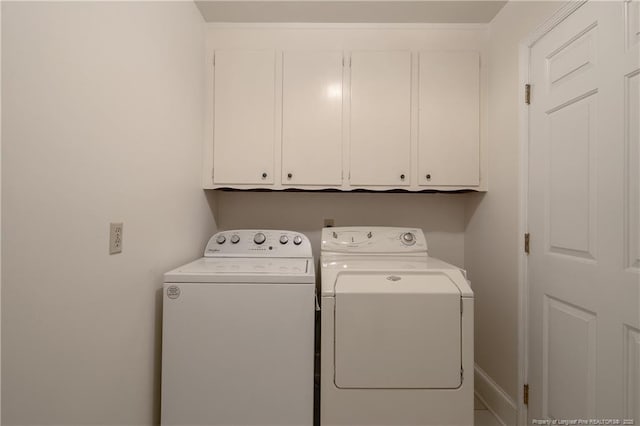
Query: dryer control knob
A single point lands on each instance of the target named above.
(259, 238)
(408, 238)
(297, 240)
(284, 239)
(235, 239)
(221, 239)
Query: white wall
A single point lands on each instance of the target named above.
(492, 234)
(441, 216)
(102, 122)
(308, 11)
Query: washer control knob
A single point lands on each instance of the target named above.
(235, 239)
(259, 238)
(297, 240)
(408, 238)
(284, 239)
(221, 239)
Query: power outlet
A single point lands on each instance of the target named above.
(328, 223)
(115, 238)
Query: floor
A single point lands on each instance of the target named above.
(482, 416)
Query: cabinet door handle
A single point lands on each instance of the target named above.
(289, 175)
(428, 176)
(264, 175)
(402, 176)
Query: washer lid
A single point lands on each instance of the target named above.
(237, 270)
(397, 331)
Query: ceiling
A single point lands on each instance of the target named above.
(376, 11)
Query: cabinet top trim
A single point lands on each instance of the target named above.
(437, 190)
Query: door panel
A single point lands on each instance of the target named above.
(312, 118)
(402, 333)
(632, 373)
(572, 178)
(632, 202)
(582, 216)
(380, 118)
(568, 376)
(244, 117)
(632, 16)
(449, 119)
(574, 61)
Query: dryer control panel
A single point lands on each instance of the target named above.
(258, 243)
(361, 239)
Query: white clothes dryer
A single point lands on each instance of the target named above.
(238, 333)
(396, 331)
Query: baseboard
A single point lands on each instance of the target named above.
(495, 398)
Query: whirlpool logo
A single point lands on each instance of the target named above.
(173, 292)
(393, 278)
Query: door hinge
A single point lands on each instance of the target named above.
(525, 394)
(526, 243)
(527, 94)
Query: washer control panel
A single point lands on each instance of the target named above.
(258, 243)
(360, 239)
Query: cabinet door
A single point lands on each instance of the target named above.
(312, 118)
(449, 124)
(380, 118)
(244, 117)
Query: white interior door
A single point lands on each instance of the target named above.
(312, 118)
(583, 205)
(244, 117)
(380, 118)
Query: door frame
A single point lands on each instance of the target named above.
(568, 8)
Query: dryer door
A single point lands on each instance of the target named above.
(397, 331)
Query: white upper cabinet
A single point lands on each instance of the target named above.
(244, 117)
(345, 109)
(449, 119)
(380, 118)
(312, 118)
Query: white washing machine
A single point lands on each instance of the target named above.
(396, 332)
(238, 333)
